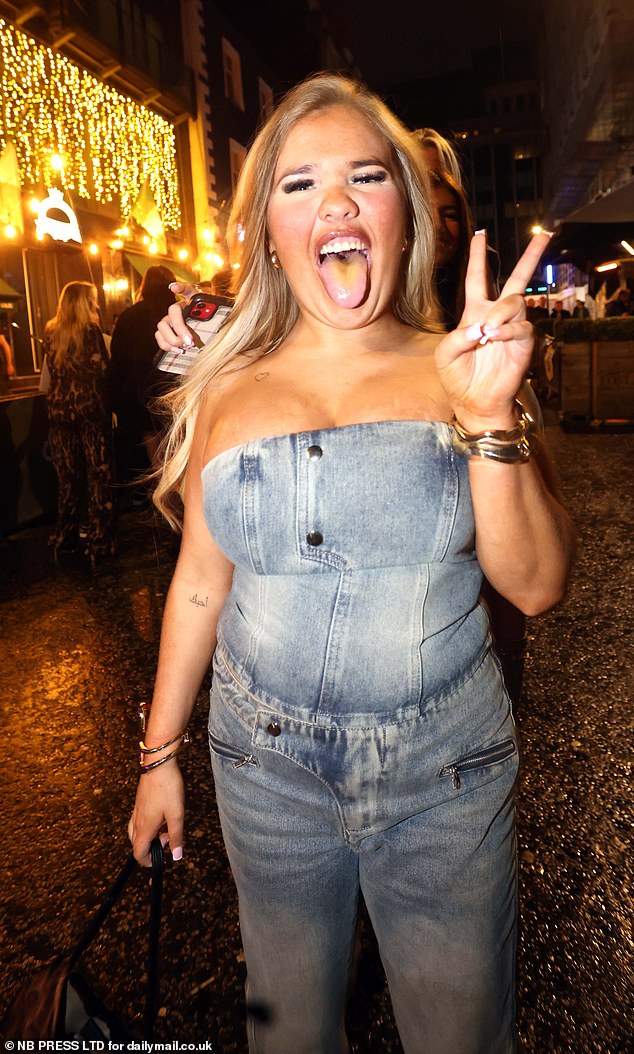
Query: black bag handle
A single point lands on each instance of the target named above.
(98, 919)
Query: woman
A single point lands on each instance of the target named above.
(454, 229)
(80, 427)
(360, 734)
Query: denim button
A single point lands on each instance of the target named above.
(273, 729)
(314, 538)
(314, 453)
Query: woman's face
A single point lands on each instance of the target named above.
(337, 219)
(446, 222)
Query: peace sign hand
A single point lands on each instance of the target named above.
(482, 363)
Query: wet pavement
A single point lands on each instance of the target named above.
(77, 656)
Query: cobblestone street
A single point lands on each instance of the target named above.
(78, 654)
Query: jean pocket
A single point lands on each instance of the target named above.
(479, 759)
(229, 753)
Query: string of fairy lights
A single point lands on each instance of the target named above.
(50, 107)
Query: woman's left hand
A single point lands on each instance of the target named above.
(482, 363)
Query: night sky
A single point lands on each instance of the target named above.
(394, 41)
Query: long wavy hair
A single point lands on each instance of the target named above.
(75, 311)
(265, 309)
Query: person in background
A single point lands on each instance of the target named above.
(453, 230)
(621, 304)
(541, 310)
(559, 311)
(80, 423)
(134, 381)
(580, 310)
(340, 502)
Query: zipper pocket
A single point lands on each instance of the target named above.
(489, 756)
(223, 750)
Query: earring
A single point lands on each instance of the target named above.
(405, 246)
(274, 260)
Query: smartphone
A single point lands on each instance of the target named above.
(204, 315)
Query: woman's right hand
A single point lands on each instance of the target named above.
(160, 804)
(172, 334)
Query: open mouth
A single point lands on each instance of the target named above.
(344, 269)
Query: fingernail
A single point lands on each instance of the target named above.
(172, 284)
(491, 332)
(177, 854)
(187, 344)
(482, 230)
(474, 332)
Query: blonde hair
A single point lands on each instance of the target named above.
(75, 311)
(265, 310)
(430, 139)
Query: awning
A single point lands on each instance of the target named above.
(141, 264)
(7, 292)
(617, 207)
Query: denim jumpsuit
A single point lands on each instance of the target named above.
(361, 737)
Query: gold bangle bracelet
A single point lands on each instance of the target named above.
(508, 446)
(183, 736)
(161, 761)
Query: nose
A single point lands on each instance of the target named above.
(337, 204)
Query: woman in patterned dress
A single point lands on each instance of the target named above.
(80, 422)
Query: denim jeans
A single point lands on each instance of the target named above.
(361, 737)
(418, 815)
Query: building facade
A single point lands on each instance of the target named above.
(95, 156)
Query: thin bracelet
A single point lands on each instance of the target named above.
(161, 761)
(183, 736)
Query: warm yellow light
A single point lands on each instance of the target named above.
(607, 267)
(93, 249)
(123, 232)
(154, 248)
(118, 244)
(106, 144)
(146, 239)
(10, 230)
(216, 260)
(35, 204)
(182, 254)
(236, 266)
(537, 229)
(206, 234)
(626, 245)
(121, 284)
(209, 257)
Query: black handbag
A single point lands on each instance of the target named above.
(58, 1003)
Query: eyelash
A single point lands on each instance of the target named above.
(358, 180)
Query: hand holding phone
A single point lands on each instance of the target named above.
(203, 315)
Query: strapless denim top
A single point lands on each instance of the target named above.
(356, 586)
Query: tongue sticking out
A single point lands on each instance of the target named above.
(345, 277)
